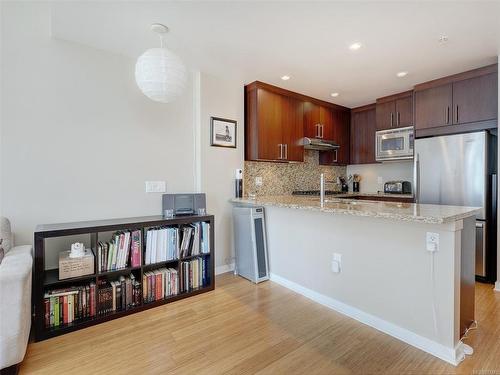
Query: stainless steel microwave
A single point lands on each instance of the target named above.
(394, 144)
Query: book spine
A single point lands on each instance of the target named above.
(47, 312)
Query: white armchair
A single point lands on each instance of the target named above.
(15, 298)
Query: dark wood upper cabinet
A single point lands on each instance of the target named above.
(293, 132)
(404, 111)
(363, 128)
(433, 107)
(274, 127)
(475, 99)
(311, 120)
(337, 129)
(395, 111)
(318, 122)
(270, 134)
(326, 123)
(463, 102)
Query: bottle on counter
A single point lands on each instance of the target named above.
(238, 184)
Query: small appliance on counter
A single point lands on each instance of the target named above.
(343, 184)
(356, 178)
(397, 187)
(183, 204)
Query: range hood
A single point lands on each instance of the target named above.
(319, 144)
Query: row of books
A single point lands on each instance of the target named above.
(160, 283)
(171, 243)
(162, 244)
(120, 294)
(195, 239)
(123, 249)
(63, 306)
(194, 274)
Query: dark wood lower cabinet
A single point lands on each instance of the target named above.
(384, 198)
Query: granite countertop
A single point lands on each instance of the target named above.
(401, 211)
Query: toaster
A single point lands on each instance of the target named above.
(397, 187)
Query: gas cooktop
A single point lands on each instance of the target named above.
(315, 192)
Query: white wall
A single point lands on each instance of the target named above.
(221, 98)
(78, 138)
(388, 171)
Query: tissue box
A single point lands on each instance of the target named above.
(74, 267)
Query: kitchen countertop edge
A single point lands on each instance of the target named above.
(374, 209)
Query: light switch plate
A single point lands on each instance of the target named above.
(432, 241)
(380, 180)
(258, 181)
(156, 187)
(337, 263)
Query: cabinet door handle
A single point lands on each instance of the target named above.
(286, 151)
(392, 119)
(335, 155)
(447, 114)
(281, 151)
(317, 130)
(398, 119)
(457, 114)
(321, 128)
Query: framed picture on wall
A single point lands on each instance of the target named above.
(222, 132)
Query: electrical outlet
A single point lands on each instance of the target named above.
(336, 263)
(380, 180)
(432, 241)
(156, 186)
(258, 181)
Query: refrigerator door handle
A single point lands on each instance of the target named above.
(416, 177)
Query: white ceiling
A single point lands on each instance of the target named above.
(305, 40)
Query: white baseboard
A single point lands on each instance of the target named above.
(224, 268)
(497, 286)
(453, 356)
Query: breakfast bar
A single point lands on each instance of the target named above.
(405, 269)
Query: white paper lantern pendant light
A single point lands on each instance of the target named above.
(159, 73)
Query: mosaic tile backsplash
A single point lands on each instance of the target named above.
(283, 178)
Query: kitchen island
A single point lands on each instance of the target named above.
(388, 278)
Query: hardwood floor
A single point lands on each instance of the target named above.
(241, 328)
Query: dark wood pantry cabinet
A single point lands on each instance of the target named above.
(463, 102)
(395, 111)
(363, 128)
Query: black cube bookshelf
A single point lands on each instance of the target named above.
(45, 279)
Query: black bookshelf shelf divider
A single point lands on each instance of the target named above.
(43, 279)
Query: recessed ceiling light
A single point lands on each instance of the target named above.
(334, 94)
(401, 74)
(355, 46)
(285, 78)
(443, 38)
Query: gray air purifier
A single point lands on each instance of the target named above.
(250, 243)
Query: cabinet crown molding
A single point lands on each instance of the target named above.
(493, 68)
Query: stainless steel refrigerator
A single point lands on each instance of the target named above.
(461, 170)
